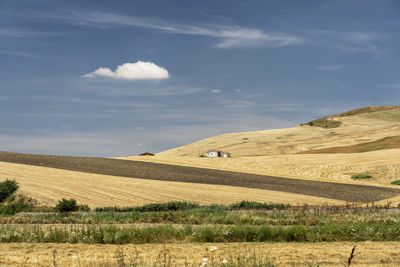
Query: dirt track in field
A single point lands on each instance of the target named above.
(166, 172)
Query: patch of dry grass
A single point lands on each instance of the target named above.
(389, 142)
(282, 254)
(393, 114)
(382, 164)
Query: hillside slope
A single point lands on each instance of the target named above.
(357, 126)
(366, 141)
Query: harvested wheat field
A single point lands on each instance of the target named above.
(166, 172)
(382, 164)
(355, 127)
(281, 254)
(361, 141)
(49, 185)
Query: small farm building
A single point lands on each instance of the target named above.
(218, 154)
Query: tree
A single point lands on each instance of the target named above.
(7, 188)
(66, 205)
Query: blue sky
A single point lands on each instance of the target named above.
(115, 78)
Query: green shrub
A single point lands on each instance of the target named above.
(155, 207)
(397, 182)
(169, 206)
(245, 204)
(84, 208)
(361, 176)
(12, 208)
(66, 205)
(7, 188)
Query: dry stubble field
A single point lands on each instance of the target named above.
(48, 185)
(281, 254)
(275, 152)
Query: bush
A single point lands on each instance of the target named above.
(7, 188)
(361, 176)
(246, 205)
(84, 208)
(66, 205)
(12, 208)
(154, 207)
(397, 182)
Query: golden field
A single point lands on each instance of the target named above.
(354, 129)
(270, 152)
(49, 185)
(281, 254)
(275, 152)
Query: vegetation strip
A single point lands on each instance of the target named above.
(214, 233)
(167, 172)
(214, 217)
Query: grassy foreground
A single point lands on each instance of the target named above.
(189, 234)
(215, 233)
(189, 222)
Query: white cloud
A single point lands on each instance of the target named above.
(229, 36)
(132, 71)
(216, 91)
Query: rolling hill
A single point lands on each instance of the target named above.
(349, 128)
(333, 148)
(320, 156)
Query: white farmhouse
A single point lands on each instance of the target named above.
(218, 154)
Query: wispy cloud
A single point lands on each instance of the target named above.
(19, 33)
(229, 36)
(351, 41)
(25, 33)
(216, 91)
(17, 53)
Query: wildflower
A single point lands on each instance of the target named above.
(224, 261)
(205, 259)
(213, 248)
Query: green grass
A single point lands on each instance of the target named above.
(184, 222)
(176, 206)
(361, 176)
(353, 232)
(397, 182)
(214, 216)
